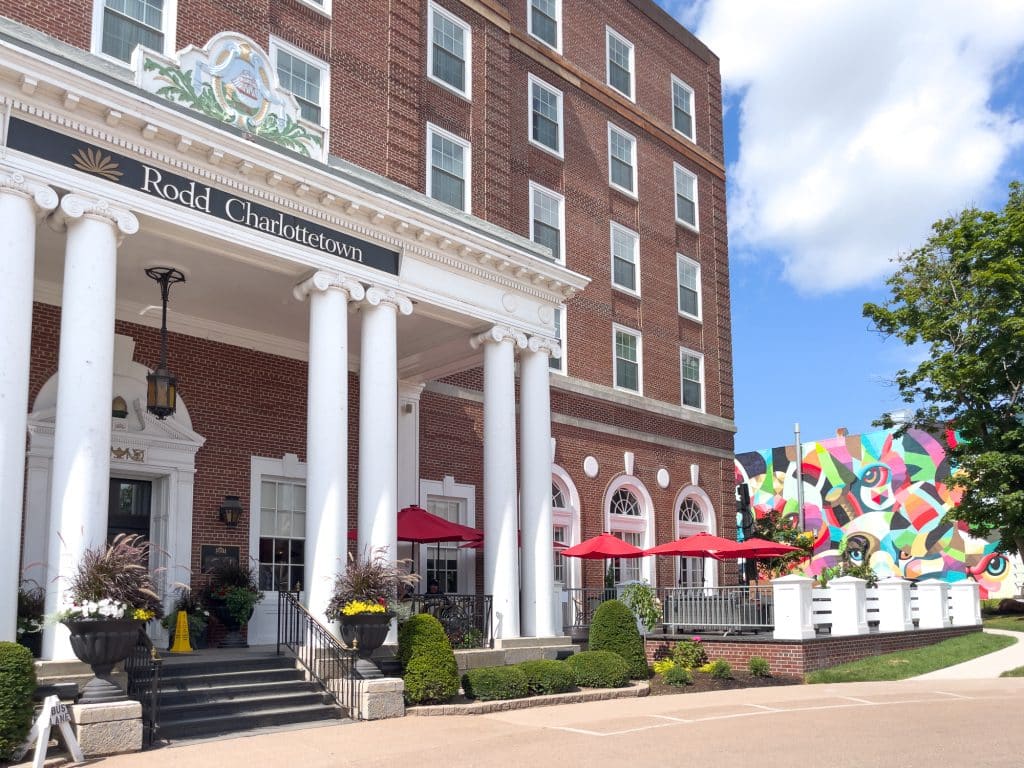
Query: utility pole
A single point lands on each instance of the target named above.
(799, 476)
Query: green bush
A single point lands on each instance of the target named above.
(599, 669)
(490, 683)
(17, 684)
(679, 676)
(421, 629)
(990, 606)
(431, 676)
(613, 628)
(720, 669)
(547, 676)
(759, 667)
(690, 654)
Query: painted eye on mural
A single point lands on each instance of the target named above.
(875, 476)
(996, 566)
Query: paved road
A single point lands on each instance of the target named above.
(923, 723)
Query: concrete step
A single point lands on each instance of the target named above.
(193, 727)
(170, 698)
(243, 704)
(180, 666)
(532, 642)
(239, 677)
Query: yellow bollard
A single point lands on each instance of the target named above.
(182, 644)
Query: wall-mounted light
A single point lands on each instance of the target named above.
(161, 385)
(230, 511)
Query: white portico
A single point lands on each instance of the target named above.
(461, 293)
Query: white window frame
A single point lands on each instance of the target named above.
(563, 361)
(700, 358)
(448, 489)
(558, 24)
(693, 108)
(170, 30)
(467, 158)
(710, 525)
(533, 80)
(616, 329)
(642, 523)
(680, 260)
(323, 8)
(676, 170)
(276, 45)
(608, 33)
(636, 253)
(433, 8)
(633, 193)
(534, 189)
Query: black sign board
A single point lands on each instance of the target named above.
(189, 193)
(212, 556)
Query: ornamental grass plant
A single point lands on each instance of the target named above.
(369, 584)
(114, 582)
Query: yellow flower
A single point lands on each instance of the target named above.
(143, 614)
(354, 607)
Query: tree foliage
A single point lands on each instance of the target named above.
(961, 295)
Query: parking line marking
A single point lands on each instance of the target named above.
(673, 719)
(767, 709)
(861, 701)
(954, 695)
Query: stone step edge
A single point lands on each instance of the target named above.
(634, 690)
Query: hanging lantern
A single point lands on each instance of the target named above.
(161, 384)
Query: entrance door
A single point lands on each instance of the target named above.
(128, 510)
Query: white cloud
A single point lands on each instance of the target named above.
(862, 122)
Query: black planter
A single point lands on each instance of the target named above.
(365, 633)
(33, 641)
(234, 638)
(102, 643)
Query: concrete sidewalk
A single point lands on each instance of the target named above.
(984, 667)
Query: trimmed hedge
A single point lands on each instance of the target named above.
(547, 676)
(678, 675)
(17, 684)
(420, 629)
(490, 683)
(430, 672)
(613, 628)
(599, 669)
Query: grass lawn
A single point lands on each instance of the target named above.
(1012, 622)
(904, 664)
(1018, 672)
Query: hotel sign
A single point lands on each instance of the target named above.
(189, 193)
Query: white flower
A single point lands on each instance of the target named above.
(91, 608)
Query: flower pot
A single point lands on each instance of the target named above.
(234, 638)
(102, 643)
(365, 633)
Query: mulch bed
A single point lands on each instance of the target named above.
(703, 682)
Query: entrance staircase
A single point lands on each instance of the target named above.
(218, 692)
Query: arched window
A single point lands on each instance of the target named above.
(629, 515)
(624, 503)
(694, 514)
(690, 511)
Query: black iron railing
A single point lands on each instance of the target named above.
(579, 606)
(142, 668)
(318, 651)
(466, 618)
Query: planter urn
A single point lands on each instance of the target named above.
(365, 633)
(102, 643)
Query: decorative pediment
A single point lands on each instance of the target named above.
(233, 80)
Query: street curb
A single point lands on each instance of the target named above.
(634, 690)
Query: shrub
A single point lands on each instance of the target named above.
(490, 683)
(17, 684)
(642, 600)
(431, 676)
(547, 676)
(690, 654)
(614, 629)
(421, 630)
(759, 667)
(678, 676)
(720, 669)
(599, 669)
(990, 606)
(661, 666)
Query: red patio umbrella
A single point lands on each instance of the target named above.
(756, 548)
(698, 545)
(603, 547)
(417, 525)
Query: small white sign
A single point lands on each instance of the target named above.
(54, 712)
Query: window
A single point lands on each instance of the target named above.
(443, 558)
(559, 535)
(686, 197)
(621, 160)
(449, 51)
(628, 568)
(692, 365)
(625, 503)
(559, 364)
(690, 511)
(682, 108)
(628, 374)
(282, 535)
(448, 168)
(545, 116)
(625, 259)
(620, 63)
(305, 77)
(547, 220)
(690, 572)
(544, 22)
(688, 279)
(121, 25)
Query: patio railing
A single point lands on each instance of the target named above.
(142, 668)
(579, 605)
(733, 609)
(466, 618)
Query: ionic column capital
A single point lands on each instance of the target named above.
(550, 346)
(497, 334)
(377, 295)
(17, 183)
(323, 281)
(74, 206)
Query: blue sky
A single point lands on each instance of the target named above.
(851, 126)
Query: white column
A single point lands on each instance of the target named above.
(965, 603)
(326, 433)
(792, 598)
(849, 606)
(81, 449)
(894, 614)
(501, 523)
(538, 578)
(378, 421)
(22, 201)
(932, 605)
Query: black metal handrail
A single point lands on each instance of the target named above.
(466, 618)
(325, 659)
(142, 668)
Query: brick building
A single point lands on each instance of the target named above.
(469, 254)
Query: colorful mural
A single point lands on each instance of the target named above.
(879, 499)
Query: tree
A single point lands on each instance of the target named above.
(962, 296)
